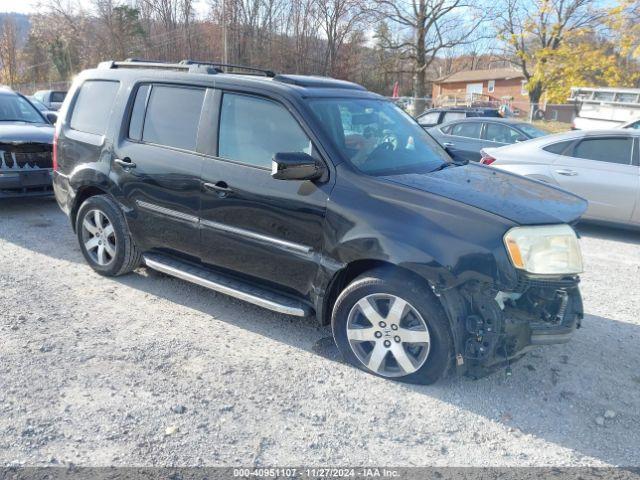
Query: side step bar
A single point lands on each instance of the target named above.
(228, 286)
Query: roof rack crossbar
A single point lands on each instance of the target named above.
(220, 66)
(153, 64)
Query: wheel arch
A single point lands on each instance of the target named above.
(350, 272)
(81, 196)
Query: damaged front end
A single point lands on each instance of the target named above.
(494, 328)
(494, 324)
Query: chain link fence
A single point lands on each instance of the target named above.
(32, 87)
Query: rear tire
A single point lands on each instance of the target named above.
(104, 237)
(391, 325)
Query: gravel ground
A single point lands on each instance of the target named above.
(150, 370)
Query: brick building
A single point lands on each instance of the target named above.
(496, 85)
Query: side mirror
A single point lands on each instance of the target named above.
(52, 117)
(296, 166)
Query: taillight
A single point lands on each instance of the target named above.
(55, 150)
(486, 158)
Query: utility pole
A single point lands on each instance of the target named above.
(224, 29)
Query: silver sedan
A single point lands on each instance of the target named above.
(602, 166)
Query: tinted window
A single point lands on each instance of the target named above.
(612, 150)
(557, 148)
(173, 115)
(496, 132)
(634, 125)
(58, 97)
(253, 129)
(466, 129)
(429, 118)
(138, 111)
(449, 116)
(93, 105)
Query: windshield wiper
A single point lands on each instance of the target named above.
(452, 163)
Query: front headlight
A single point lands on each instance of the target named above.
(544, 250)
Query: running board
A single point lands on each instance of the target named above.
(228, 286)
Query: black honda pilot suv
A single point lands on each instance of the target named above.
(312, 196)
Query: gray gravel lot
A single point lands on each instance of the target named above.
(149, 370)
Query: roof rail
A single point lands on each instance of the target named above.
(152, 64)
(220, 66)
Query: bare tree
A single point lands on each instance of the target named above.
(9, 50)
(338, 20)
(431, 26)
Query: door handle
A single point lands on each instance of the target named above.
(448, 144)
(567, 172)
(125, 162)
(221, 188)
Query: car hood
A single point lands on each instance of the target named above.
(21, 133)
(523, 201)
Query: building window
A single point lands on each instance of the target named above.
(523, 88)
(491, 86)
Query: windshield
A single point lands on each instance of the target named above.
(38, 104)
(532, 131)
(377, 137)
(14, 108)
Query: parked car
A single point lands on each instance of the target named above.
(52, 99)
(26, 140)
(436, 116)
(464, 139)
(50, 115)
(312, 196)
(601, 166)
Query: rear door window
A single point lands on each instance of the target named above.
(172, 116)
(92, 108)
(496, 132)
(611, 150)
(466, 129)
(253, 129)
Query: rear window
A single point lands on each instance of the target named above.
(430, 118)
(92, 107)
(58, 97)
(449, 116)
(173, 115)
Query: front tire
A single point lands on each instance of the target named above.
(391, 325)
(105, 240)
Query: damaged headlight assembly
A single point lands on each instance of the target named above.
(544, 250)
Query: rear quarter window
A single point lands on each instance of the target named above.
(92, 107)
(558, 148)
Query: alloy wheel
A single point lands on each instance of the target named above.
(99, 237)
(388, 335)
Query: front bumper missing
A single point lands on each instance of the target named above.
(492, 328)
